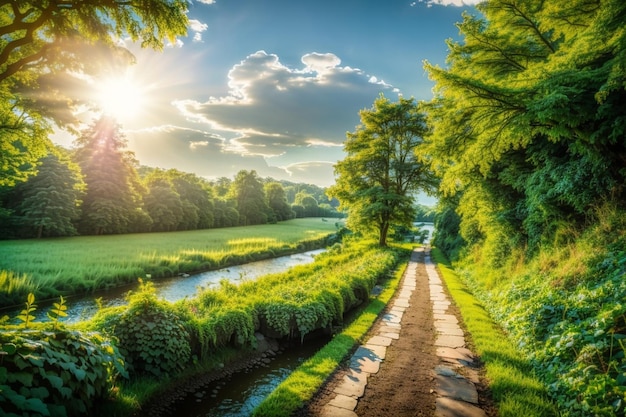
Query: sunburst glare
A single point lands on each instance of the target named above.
(122, 98)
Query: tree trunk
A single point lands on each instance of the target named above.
(382, 239)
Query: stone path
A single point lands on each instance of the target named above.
(454, 376)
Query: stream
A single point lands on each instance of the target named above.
(175, 288)
(240, 393)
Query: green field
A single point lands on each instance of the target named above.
(49, 267)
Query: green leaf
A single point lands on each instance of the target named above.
(9, 348)
(36, 405)
(55, 381)
(24, 378)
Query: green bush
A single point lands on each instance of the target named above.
(152, 336)
(55, 373)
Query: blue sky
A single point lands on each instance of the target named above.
(274, 85)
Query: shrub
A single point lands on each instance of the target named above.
(55, 373)
(151, 335)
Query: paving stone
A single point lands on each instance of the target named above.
(378, 351)
(449, 407)
(332, 411)
(458, 354)
(450, 331)
(389, 325)
(343, 401)
(398, 309)
(435, 288)
(352, 385)
(405, 294)
(442, 304)
(457, 388)
(373, 352)
(392, 317)
(364, 364)
(444, 370)
(443, 325)
(379, 340)
(450, 318)
(391, 335)
(471, 374)
(401, 302)
(445, 340)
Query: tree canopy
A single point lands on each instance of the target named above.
(528, 119)
(383, 168)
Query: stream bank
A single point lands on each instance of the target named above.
(237, 387)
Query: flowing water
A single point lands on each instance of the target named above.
(176, 288)
(242, 392)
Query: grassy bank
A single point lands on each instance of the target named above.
(304, 382)
(565, 309)
(49, 267)
(516, 389)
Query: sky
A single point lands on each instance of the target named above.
(274, 85)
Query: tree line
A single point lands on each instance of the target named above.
(99, 188)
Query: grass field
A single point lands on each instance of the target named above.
(49, 267)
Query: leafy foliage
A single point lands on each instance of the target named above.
(49, 203)
(55, 373)
(152, 336)
(382, 169)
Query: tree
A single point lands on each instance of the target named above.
(277, 201)
(164, 206)
(382, 168)
(112, 194)
(247, 191)
(309, 203)
(50, 204)
(44, 44)
(526, 121)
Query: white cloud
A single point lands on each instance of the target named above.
(207, 1)
(272, 109)
(320, 62)
(274, 119)
(198, 27)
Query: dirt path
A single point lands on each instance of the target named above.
(413, 370)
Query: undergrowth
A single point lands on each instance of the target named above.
(565, 309)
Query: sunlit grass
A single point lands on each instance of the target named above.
(516, 390)
(49, 267)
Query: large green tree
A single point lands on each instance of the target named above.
(50, 199)
(45, 44)
(528, 119)
(277, 201)
(113, 194)
(247, 190)
(382, 171)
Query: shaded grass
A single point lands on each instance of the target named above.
(305, 381)
(50, 267)
(515, 388)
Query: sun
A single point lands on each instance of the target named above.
(121, 98)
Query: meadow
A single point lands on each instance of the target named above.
(63, 266)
